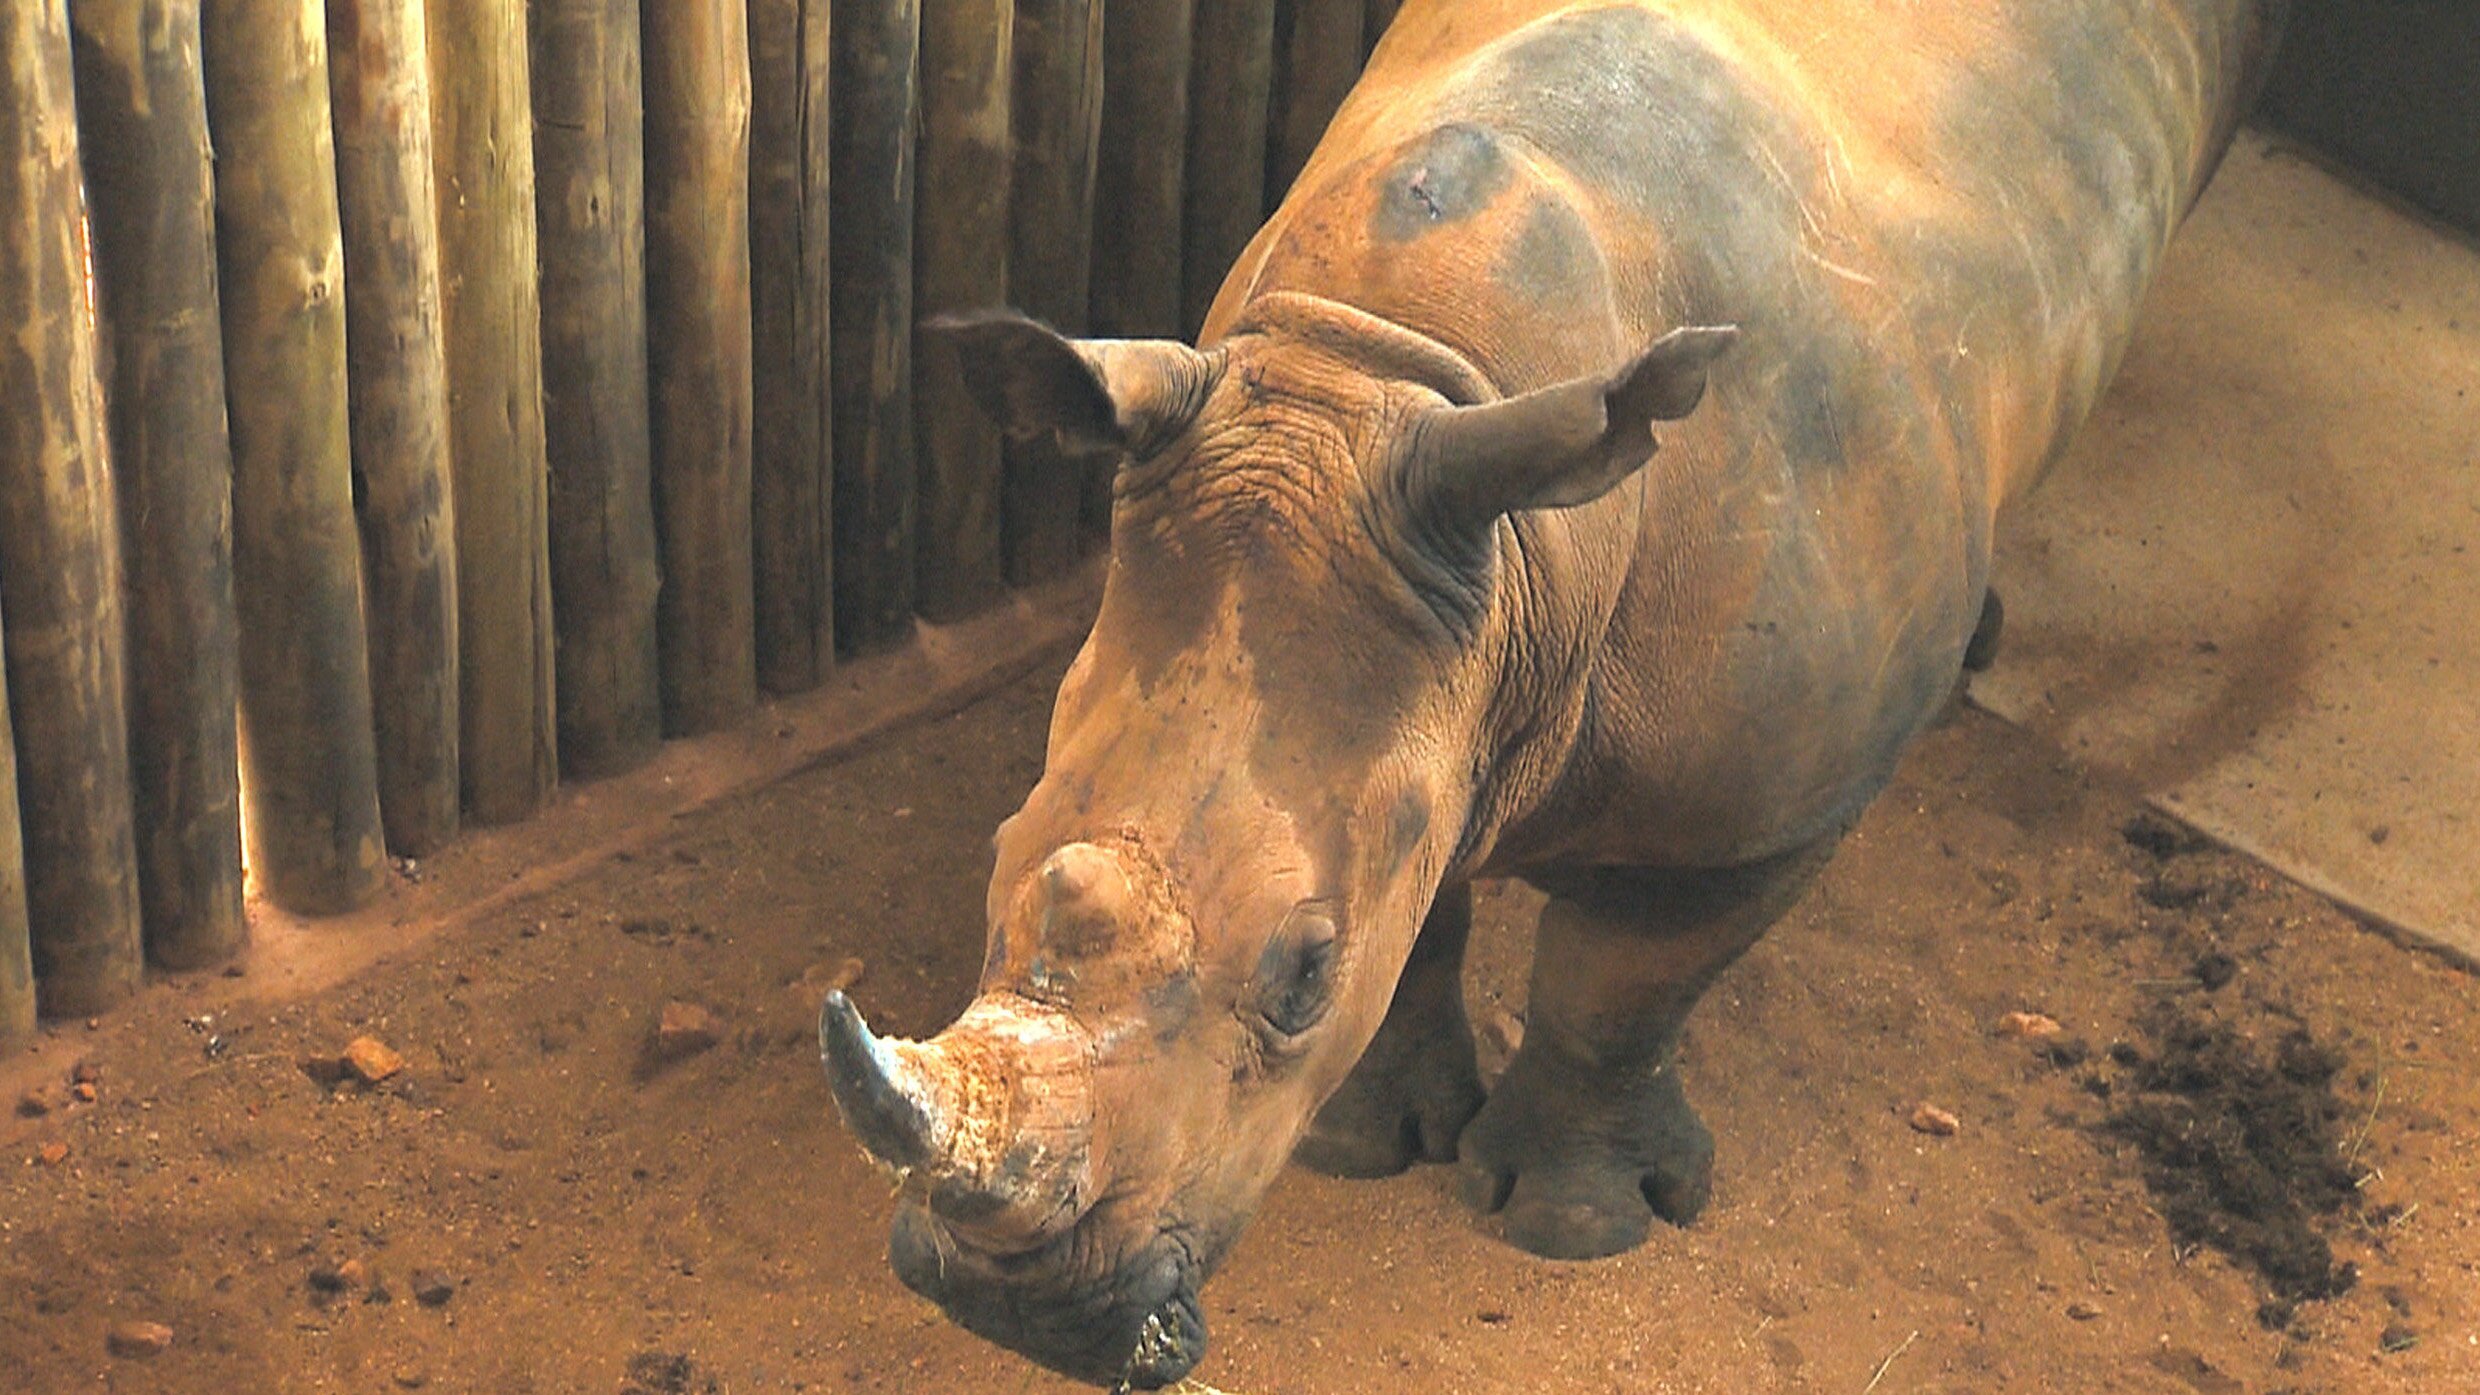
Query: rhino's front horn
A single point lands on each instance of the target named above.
(994, 1116)
(883, 1099)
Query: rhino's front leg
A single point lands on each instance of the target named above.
(1416, 1086)
(1589, 1136)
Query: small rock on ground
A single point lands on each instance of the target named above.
(432, 1289)
(832, 975)
(333, 1279)
(2031, 1025)
(662, 1373)
(685, 1029)
(136, 1341)
(1930, 1119)
(372, 1060)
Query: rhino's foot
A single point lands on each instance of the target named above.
(1406, 1102)
(1577, 1164)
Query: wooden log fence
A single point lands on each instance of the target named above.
(60, 574)
(17, 995)
(791, 471)
(397, 373)
(1318, 52)
(483, 149)
(1381, 14)
(516, 384)
(142, 127)
(1058, 128)
(960, 247)
(698, 353)
(877, 82)
(1141, 168)
(1230, 81)
(309, 764)
(590, 218)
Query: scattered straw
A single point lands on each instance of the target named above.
(2351, 1155)
(1888, 1364)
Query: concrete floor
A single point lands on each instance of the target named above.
(2252, 585)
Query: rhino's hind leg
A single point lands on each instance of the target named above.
(1589, 1135)
(1416, 1086)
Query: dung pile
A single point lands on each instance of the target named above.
(2244, 1148)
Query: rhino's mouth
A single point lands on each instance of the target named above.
(1138, 1325)
(1169, 1344)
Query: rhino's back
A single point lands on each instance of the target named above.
(1982, 186)
(1934, 222)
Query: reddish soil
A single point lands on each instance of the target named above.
(549, 1204)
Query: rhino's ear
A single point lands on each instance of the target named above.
(1091, 394)
(1566, 444)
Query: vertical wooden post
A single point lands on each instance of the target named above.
(960, 247)
(312, 807)
(791, 473)
(698, 348)
(1317, 61)
(379, 79)
(482, 147)
(1141, 169)
(59, 573)
(870, 344)
(590, 205)
(1381, 14)
(818, 298)
(1057, 118)
(1227, 114)
(142, 123)
(17, 996)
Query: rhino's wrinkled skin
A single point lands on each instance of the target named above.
(1395, 601)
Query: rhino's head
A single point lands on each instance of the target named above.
(1260, 767)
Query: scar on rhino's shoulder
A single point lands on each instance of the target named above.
(1444, 176)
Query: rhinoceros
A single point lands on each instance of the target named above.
(1401, 593)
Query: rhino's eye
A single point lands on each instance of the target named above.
(1295, 977)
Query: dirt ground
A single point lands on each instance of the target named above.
(537, 1203)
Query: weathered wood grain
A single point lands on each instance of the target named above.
(142, 125)
(590, 206)
(311, 812)
(791, 470)
(870, 348)
(482, 142)
(960, 247)
(396, 356)
(698, 357)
